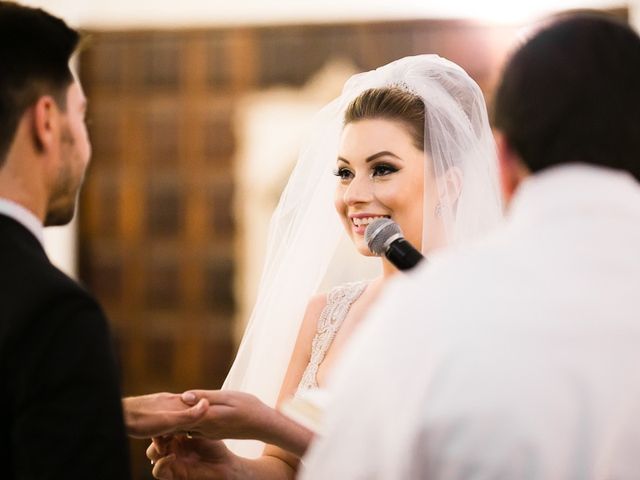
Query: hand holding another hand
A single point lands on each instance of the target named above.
(158, 414)
(239, 415)
(230, 414)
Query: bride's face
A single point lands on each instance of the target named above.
(380, 174)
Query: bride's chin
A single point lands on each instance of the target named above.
(360, 244)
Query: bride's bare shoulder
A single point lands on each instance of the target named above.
(314, 309)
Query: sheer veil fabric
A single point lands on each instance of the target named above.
(305, 231)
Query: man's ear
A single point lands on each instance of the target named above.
(511, 169)
(45, 122)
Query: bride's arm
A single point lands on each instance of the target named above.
(239, 416)
(289, 447)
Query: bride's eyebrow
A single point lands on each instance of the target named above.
(384, 153)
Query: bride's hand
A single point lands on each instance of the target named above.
(180, 457)
(157, 414)
(231, 415)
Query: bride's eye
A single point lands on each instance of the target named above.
(343, 173)
(383, 169)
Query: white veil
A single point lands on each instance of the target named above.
(305, 231)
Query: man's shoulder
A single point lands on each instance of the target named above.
(30, 284)
(464, 264)
(28, 268)
(452, 282)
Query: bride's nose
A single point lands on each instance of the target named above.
(359, 190)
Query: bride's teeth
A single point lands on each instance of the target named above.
(359, 222)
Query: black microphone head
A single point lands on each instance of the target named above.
(380, 233)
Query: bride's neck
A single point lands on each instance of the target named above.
(388, 270)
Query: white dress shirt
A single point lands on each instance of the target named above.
(22, 216)
(515, 358)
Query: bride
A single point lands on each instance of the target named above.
(409, 141)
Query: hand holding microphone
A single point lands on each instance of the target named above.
(384, 237)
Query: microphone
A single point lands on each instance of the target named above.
(384, 237)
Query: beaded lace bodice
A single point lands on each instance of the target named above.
(339, 301)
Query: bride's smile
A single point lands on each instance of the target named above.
(362, 220)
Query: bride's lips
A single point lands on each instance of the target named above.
(360, 221)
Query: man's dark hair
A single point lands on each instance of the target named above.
(572, 94)
(35, 49)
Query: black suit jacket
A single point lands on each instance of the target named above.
(60, 410)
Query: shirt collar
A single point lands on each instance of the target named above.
(23, 216)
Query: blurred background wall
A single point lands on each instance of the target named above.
(197, 110)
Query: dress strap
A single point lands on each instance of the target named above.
(339, 302)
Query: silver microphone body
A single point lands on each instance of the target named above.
(383, 236)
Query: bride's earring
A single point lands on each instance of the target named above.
(438, 210)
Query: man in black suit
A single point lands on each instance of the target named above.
(60, 410)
